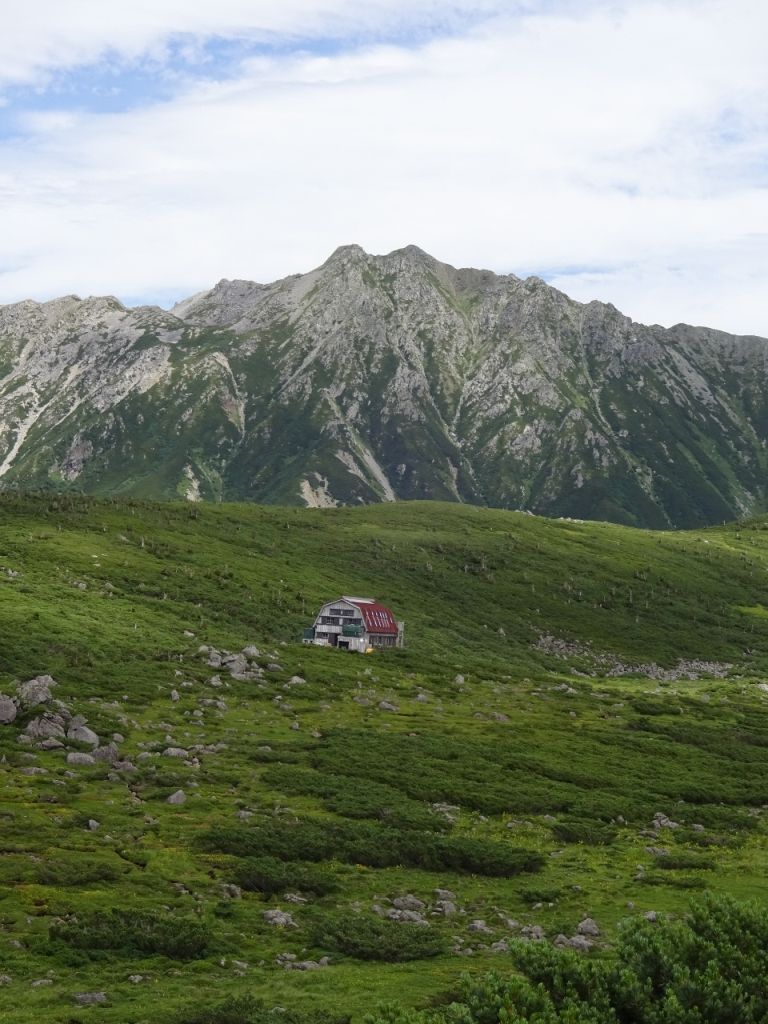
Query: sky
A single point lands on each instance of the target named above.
(616, 148)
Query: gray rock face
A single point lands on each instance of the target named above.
(8, 710)
(448, 383)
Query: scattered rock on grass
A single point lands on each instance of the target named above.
(179, 797)
(90, 998)
(75, 757)
(588, 927)
(8, 710)
(279, 918)
(35, 691)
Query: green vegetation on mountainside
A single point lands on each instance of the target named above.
(542, 752)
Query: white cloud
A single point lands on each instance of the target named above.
(40, 36)
(631, 138)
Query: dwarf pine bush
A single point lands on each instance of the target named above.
(708, 968)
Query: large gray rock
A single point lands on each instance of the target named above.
(179, 797)
(48, 724)
(588, 927)
(8, 710)
(76, 757)
(408, 902)
(82, 734)
(35, 691)
(108, 754)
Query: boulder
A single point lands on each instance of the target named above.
(235, 664)
(408, 902)
(75, 757)
(588, 927)
(90, 998)
(175, 752)
(307, 965)
(279, 918)
(82, 734)
(385, 705)
(94, 825)
(179, 797)
(49, 724)
(108, 753)
(5, 979)
(577, 942)
(51, 743)
(35, 691)
(408, 916)
(8, 710)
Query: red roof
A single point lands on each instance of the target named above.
(377, 617)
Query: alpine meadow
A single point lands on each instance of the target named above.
(384, 512)
(549, 805)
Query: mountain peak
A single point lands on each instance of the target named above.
(346, 254)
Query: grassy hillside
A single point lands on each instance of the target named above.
(564, 685)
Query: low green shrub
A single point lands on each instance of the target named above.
(684, 862)
(685, 882)
(134, 931)
(376, 938)
(709, 967)
(345, 796)
(80, 872)
(270, 875)
(374, 846)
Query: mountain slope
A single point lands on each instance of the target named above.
(379, 378)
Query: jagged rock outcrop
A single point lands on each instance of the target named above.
(377, 378)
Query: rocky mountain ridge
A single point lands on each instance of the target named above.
(380, 378)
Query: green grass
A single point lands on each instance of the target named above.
(528, 789)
